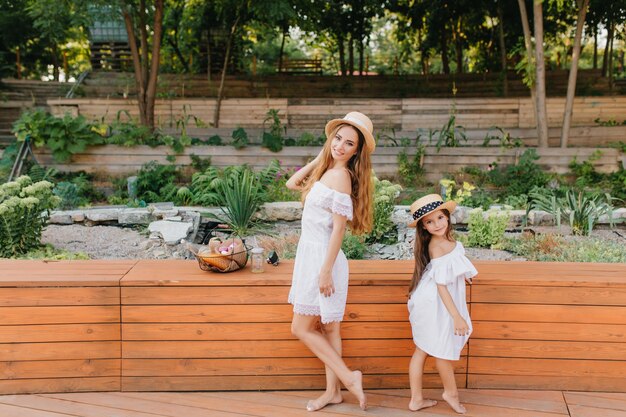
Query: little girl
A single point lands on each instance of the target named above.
(437, 308)
(337, 192)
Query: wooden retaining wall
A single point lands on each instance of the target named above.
(115, 160)
(165, 325)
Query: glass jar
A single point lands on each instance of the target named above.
(256, 260)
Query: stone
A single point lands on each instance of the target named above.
(60, 218)
(103, 215)
(78, 217)
(134, 216)
(542, 218)
(287, 211)
(171, 232)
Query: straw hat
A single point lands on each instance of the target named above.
(358, 120)
(428, 204)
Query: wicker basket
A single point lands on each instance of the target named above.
(218, 262)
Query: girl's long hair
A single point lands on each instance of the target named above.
(360, 169)
(420, 249)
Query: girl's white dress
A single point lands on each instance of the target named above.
(317, 224)
(431, 323)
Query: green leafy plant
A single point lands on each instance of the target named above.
(521, 177)
(64, 136)
(241, 200)
(504, 139)
(385, 195)
(24, 212)
(454, 193)
(486, 229)
(410, 170)
(240, 138)
(353, 246)
(274, 139)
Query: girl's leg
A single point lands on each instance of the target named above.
(303, 327)
(450, 392)
(332, 395)
(416, 370)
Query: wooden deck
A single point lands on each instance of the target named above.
(149, 325)
(391, 403)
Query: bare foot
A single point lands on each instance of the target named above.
(323, 400)
(419, 404)
(356, 388)
(454, 402)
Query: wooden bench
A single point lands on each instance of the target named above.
(301, 66)
(165, 325)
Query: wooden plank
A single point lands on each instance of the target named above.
(59, 315)
(547, 382)
(59, 351)
(550, 331)
(58, 296)
(600, 401)
(546, 367)
(60, 369)
(549, 313)
(30, 386)
(547, 349)
(59, 333)
(256, 331)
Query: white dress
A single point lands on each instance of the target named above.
(431, 323)
(317, 225)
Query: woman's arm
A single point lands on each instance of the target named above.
(295, 181)
(460, 325)
(327, 288)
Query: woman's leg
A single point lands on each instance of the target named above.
(332, 395)
(303, 327)
(450, 392)
(416, 371)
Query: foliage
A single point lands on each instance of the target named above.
(450, 135)
(585, 172)
(64, 136)
(240, 138)
(241, 197)
(309, 139)
(582, 210)
(24, 210)
(555, 248)
(504, 139)
(155, 181)
(486, 230)
(68, 193)
(520, 178)
(50, 253)
(274, 139)
(411, 171)
(460, 195)
(385, 195)
(275, 189)
(353, 246)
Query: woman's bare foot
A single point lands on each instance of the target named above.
(328, 397)
(415, 405)
(454, 402)
(356, 388)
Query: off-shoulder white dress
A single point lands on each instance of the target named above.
(317, 226)
(431, 323)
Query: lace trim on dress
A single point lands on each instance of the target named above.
(332, 319)
(337, 207)
(306, 310)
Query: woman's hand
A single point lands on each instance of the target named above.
(327, 288)
(460, 326)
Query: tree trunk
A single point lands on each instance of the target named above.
(361, 50)
(179, 54)
(595, 47)
(444, 52)
(220, 90)
(573, 72)
(529, 52)
(542, 116)
(141, 92)
(351, 55)
(609, 36)
(610, 65)
(505, 81)
(342, 55)
(157, 32)
(208, 57)
(282, 50)
(144, 41)
(458, 41)
(55, 63)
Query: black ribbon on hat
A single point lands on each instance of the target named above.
(426, 209)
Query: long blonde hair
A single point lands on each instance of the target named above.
(420, 249)
(360, 169)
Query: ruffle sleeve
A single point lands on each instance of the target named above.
(336, 202)
(452, 267)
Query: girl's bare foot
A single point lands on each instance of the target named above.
(328, 397)
(356, 388)
(415, 405)
(453, 401)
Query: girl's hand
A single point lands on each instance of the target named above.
(327, 288)
(460, 326)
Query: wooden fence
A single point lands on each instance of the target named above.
(116, 160)
(166, 325)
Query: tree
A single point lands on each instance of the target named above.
(571, 84)
(145, 64)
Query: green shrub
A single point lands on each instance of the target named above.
(385, 195)
(353, 246)
(521, 178)
(487, 231)
(240, 138)
(154, 181)
(410, 171)
(24, 211)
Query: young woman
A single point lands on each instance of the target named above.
(337, 192)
